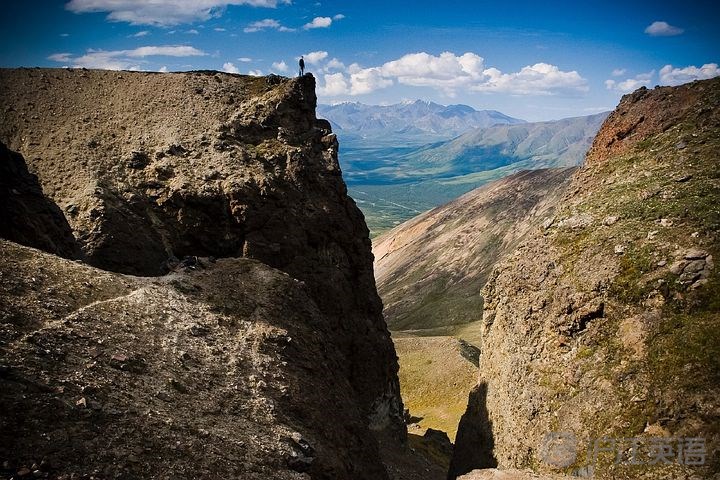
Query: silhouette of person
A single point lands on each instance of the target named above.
(302, 66)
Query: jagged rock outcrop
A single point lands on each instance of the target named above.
(605, 324)
(27, 216)
(151, 169)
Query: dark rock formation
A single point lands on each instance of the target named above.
(155, 168)
(474, 443)
(27, 216)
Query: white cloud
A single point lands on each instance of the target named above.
(219, 29)
(228, 67)
(61, 57)
(662, 29)
(339, 16)
(255, 73)
(446, 71)
(268, 23)
(165, 50)
(163, 69)
(162, 12)
(124, 59)
(280, 66)
(335, 85)
(245, 59)
(618, 72)
(334, 64)
(64, 34)
(368, 80)
(192, 31)
(140, 34)
(318, 22)
(449, 73)
(313, 58)
(631, 84)
(538, 79)
(677, 76)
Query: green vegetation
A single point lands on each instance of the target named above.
(435, 380)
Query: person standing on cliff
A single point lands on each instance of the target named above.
(302, 66)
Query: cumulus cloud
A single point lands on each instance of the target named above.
(313, 58)
(219, 29)
(280, 66)
(339, 16)
(229, 67)
(662, 29)
(333, 64)
(538, 79)
(245, 59)
(631, 84)
(618, 72)
(268, 23)
(162, 12)
(449, 73)
(192, 31)
(318, 22)
(124, 59)
(335, 85)
(676, 76)
(255, 73)
(163, 69)
(446, 71)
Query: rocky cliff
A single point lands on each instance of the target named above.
(211, 367)
(604, 324)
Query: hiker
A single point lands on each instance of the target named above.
(302, 66)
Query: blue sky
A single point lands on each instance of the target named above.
(529, 59)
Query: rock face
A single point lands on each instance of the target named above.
(151, 169)
(27, 216)
(606, 324)
(430, 269)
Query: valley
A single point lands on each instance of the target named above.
(402, 160)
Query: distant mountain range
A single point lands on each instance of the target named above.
(403, 159)
(560, 143)
(415, 119)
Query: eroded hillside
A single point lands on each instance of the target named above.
(605, 324)
(430, 269)
(200, 367)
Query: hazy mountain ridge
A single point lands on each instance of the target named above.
(412, 119)
(559, 143)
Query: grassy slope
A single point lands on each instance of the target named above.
(434, 381)
(660, 216)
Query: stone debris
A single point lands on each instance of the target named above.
(610, 220)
